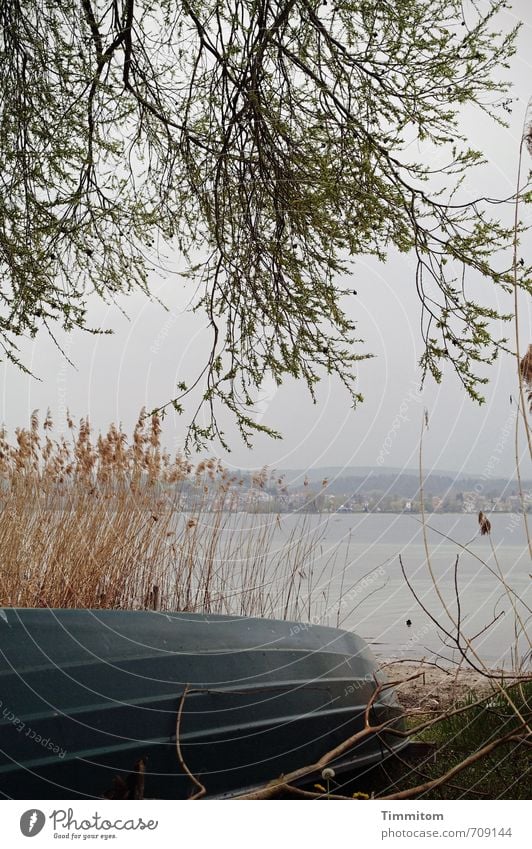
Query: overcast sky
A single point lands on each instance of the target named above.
(114, 376)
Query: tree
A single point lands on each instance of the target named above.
(264, 141)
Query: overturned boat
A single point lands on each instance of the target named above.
(125, 704)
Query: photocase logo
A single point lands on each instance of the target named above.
(32, 822)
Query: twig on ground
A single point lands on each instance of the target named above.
(443, 779)
(201, 788)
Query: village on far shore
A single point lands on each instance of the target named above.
(367, 490)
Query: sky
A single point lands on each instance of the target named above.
(113, 377)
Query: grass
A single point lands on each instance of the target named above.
(506, 773)
(481, 724)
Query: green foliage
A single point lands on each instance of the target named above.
(267, 143)
(482, 723)
(502, 774)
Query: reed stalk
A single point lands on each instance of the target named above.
(114, 522)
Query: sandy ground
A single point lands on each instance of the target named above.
(436, 688)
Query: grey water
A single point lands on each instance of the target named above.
(358, 583)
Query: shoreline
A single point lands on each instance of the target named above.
(437, 688)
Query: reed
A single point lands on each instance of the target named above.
(114, 522)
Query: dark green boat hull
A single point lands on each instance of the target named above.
(87, 694)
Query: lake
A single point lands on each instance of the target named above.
(352, 578)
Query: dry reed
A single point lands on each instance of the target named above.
(113, 523)
(525, 367)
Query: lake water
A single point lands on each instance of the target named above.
(348, 547)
